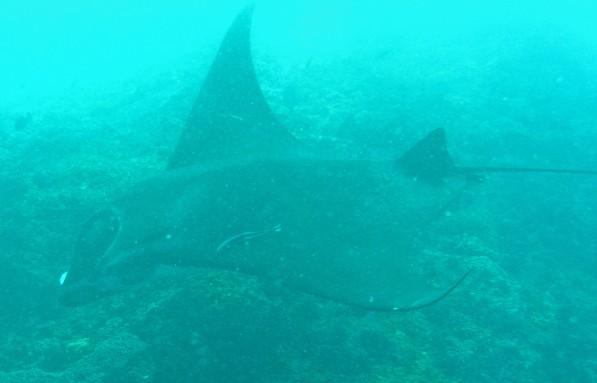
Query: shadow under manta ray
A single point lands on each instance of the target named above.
(241, 193)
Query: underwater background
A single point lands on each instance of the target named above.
(94, 95)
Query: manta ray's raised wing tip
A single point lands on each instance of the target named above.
(231, 119)
(419, 304)
(430, 302)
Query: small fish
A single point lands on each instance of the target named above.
(247, 235)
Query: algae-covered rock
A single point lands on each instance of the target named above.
(31, 376)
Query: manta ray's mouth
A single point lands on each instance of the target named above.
(81, 282)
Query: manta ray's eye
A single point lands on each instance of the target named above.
(95, 239)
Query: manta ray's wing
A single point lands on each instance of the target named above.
(231, 123)
(231, 119)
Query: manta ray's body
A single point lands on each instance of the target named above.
(240, 193)
(293, 221)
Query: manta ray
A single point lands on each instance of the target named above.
(241, 193)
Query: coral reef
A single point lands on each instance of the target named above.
(524, 315)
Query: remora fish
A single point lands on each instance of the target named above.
(241, 193)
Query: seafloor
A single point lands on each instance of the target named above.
(70, 157)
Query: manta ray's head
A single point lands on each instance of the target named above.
(96, 269)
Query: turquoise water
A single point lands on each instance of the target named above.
(95, 96)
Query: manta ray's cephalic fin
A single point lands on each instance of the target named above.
(231, 120)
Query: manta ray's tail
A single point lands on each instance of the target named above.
(430, 160)
(507, 169)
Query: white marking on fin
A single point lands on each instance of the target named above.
(63, 278)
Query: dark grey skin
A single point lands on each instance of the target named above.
(341, 233)
(241, 193)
